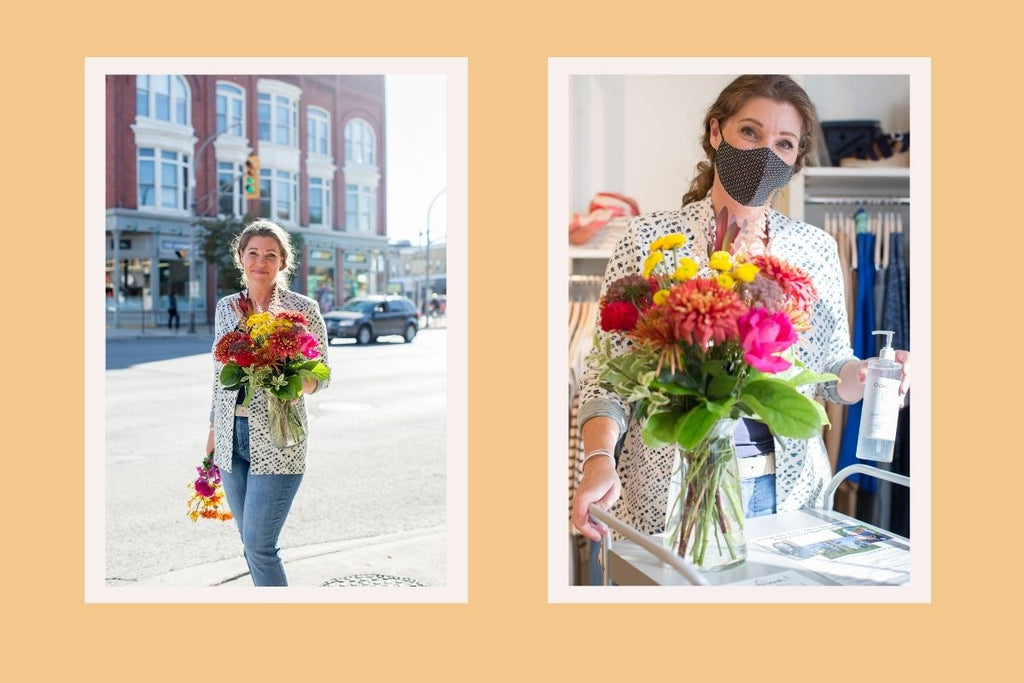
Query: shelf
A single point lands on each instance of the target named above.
(587, 253)
(855, 173)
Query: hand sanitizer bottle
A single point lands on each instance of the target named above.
(881, 404)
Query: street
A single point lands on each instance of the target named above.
(376, 461)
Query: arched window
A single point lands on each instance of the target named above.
(164, 98)
(360, 143)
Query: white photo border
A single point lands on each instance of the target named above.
(560, 71)
(455, 70)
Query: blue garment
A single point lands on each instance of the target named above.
(863, 347)
(896, 315)
(259, 504)
(758, 494)
(753, 438)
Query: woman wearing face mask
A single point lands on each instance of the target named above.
(757, 134)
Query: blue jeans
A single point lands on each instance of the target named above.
(260, 504)
(758, 495)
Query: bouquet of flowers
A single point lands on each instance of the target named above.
(273, 352)
(707, 351)
(207, 493)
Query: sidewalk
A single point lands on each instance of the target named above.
(409, 558)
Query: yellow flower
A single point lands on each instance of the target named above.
(725, 281)
(667, 242)
(687, 269)
(746, 272)
(653, 260)
(720, 261)
(660, 296)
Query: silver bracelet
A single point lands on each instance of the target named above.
(598, 451)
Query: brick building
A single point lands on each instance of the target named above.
(178, 141)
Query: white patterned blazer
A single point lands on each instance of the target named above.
(265, 458)
(802, 466)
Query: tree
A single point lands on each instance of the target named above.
(217, 235)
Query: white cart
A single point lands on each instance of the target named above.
(644, 560)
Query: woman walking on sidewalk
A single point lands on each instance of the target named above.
(260, 479)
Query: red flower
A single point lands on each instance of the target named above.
(618, 316)
(293, 316)
(285, 343)
(231, 346)
(795, 283)
(700, 310)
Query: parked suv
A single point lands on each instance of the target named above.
(367, 317)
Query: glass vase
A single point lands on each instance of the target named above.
(706, 516)
(285, 423)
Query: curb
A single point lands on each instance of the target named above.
(419, 555)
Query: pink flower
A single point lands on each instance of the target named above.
(763, 335)
(204, 489)
(309, 346)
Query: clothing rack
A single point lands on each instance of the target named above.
(868, 201)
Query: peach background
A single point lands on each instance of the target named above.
(508, 630)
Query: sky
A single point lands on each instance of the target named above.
(415, 119)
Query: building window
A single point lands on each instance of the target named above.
(278, 117)
(229, 185)
(164, 98)
(320, 202)
(360, 208)
(278, 195)
(163, 179)
(360, 143)
(230, 108)
(318, 131)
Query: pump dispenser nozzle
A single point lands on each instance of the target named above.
(887, 352)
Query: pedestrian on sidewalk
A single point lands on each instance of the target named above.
(260, 480)
(172, 312)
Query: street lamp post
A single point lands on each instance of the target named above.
(426, 288)
(192, 224)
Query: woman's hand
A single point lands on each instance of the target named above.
(856, 372)
(209, 442)
(902, 357)
(599, 485)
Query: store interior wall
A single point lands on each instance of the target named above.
(640, 134)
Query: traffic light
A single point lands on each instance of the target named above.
(252, 177)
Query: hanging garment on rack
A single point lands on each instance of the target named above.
(892, 505)
(863, 347)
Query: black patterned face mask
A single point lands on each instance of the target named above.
(751, 175)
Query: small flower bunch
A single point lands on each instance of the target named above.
(710, 347)
(207, 493)
(271, 351)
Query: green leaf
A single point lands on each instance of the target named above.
(316, 369)
(674, 389)
(695, 425)
(721, 386)
(785, 410)
(808, 377)
(660, 429)
(291, 390)
(231, 376)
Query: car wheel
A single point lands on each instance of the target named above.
(410, 333)
(364, 335)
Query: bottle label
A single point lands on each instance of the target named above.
(881, 408)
